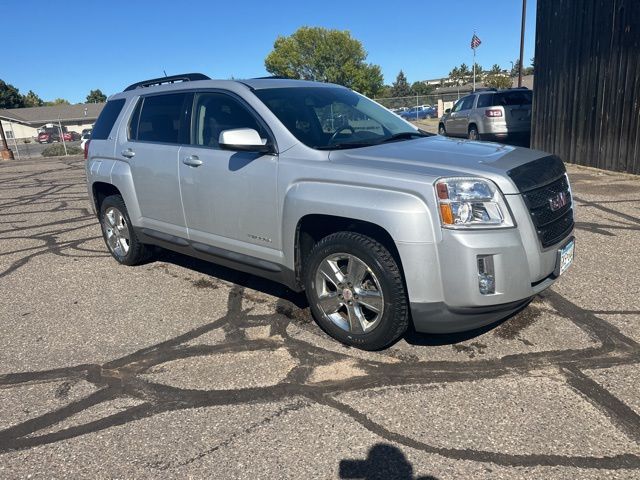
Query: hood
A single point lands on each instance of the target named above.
(439, 156)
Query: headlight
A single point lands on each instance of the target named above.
(467, 202)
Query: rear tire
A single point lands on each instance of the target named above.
(118, 233)
(473, 133)
(356, 291)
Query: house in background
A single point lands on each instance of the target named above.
(24, 123)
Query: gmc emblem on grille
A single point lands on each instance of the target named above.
(557, 202)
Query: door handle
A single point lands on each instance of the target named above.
(192, 161)
(128, 153)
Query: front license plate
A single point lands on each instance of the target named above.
(565, 257)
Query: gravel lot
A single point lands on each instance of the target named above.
(180, 369)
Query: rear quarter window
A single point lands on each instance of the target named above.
(485, 100)
(514, 97)
(107, 119)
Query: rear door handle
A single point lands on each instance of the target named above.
(128, 153)
(192, 161)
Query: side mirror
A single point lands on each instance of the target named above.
(244, 140)
(448, 110)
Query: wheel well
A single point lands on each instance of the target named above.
(312, 228)
(102, 190)
(472, 125)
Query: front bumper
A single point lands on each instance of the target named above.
(443, 287)
(439, 318)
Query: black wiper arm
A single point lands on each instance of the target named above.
(339, 146)
(403, 135)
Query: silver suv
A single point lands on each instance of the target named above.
(319, 188)
(490, 115)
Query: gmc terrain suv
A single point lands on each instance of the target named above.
(490, 115)
(324, 190)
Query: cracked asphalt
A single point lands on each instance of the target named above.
(183, 369)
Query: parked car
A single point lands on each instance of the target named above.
(490, 115)
(86, 131)
(379, 223)
(48, 135)
(418, 113)
(84, 139)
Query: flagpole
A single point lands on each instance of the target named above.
(474, 70)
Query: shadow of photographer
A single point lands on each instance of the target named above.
(383, 462)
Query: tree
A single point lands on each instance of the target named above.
(497, 81)
(368, 80)
(420, 88)
(495, 69)
(32, 100)
(314, 53)
(400, 87)
(465, 73)
(10, 96)
(57, 101)
(454, 75)
(516, 68)
(96, 96)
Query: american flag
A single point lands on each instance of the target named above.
(475, 41)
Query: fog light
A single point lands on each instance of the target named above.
(486, 275)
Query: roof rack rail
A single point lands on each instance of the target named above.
(272, 77)
(185, 77)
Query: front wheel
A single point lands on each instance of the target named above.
(441, 130)
(355, 290)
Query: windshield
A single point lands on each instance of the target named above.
(328, 118)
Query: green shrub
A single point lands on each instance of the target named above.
(57, 150)
(26, 140)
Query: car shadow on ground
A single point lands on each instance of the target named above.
(299, 300)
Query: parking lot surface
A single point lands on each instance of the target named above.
(179, 368)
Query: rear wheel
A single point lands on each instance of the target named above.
(118, 233)
(473, 133)
(355, 291)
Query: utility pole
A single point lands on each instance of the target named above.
(524, 16)
(5, 153)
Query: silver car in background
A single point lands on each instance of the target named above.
(490, 115)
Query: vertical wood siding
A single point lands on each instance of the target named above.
(586, 105)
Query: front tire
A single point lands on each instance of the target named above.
(118, 233)
(441, 130)
(355, 290)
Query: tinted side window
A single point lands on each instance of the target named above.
(485, 100)
(467, 103)
(107, 118)
(458, 105)
(514, 97)
(161, 118)
(216, 112)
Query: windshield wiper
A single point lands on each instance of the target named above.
(403, 136)
(343, 145)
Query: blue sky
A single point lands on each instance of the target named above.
(112, 43)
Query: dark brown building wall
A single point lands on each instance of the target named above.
(586, 106)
